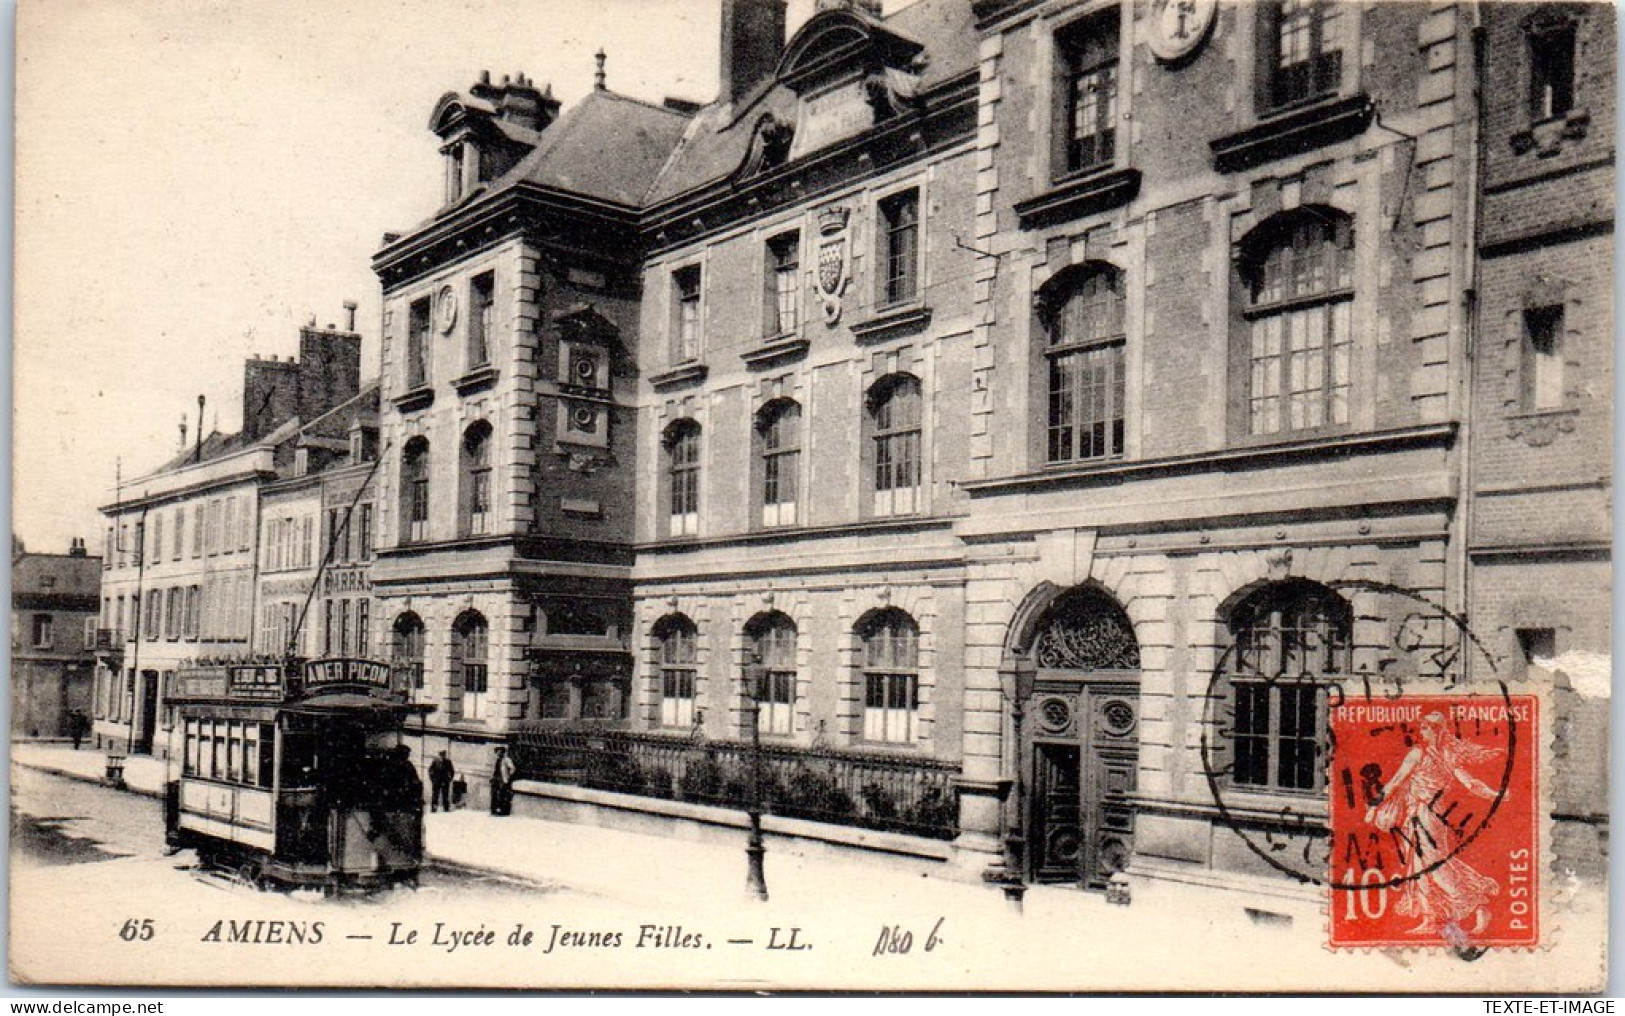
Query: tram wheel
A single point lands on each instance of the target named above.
(252, 874)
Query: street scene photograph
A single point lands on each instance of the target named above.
(813, 495)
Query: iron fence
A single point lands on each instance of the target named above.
(896, 793)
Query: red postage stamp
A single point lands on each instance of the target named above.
(1434, 822)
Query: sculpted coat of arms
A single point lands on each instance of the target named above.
(833, 274)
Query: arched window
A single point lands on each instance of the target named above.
(778, 431)
(1082, 314)
(677, 639)
(406, 651)
(683, 478)
(772, 641)
(415, 491)
(1290, 641)
(469, 637)
(894, 424)
(891, 678)
(1297, 278)
(475, 504)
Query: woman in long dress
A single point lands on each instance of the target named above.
(1444, 898)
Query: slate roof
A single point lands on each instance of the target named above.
(75, 576)
(718, 138)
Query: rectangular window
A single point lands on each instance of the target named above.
(228, 528)
(194, 607)
(481, 306)
(890, 702)
(327, 628)
(895, 416)
(900, 219)
(43, 637)
(479, 500)
(1551, 71)
(778, 702)
(676, 697)
(1543, 358)
(418, 528)
(335, 519)
(784, 284)
(107, 548)
(686, 327)
(684, 477)
(1086, 403)
(1276, 732)
(180, 533)
(364, 532)
(344, 627)
(1307, 50)
(156, 552)
(173, 611)
(1089, 93)
(417, 344)
(363, 622)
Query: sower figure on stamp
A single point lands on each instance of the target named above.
(502, 784)
(1441, 895)
(441, 773)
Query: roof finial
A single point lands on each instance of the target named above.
(598, 76)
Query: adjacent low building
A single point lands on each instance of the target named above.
(54, 610)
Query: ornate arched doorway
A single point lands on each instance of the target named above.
(1079, 748)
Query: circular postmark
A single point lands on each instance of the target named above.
(1385, 669)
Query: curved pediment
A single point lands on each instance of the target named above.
(835, 41)
(451, 110)
(769, 146)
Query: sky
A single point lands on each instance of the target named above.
(198, 178)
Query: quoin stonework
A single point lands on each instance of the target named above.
(972, 401)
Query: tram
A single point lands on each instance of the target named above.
(293, 774)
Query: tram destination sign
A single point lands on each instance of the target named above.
(262, 681)
(322, 674)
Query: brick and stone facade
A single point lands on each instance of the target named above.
(1542, 381)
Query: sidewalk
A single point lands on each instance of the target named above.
(654, 872)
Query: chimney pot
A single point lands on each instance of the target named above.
(349, 314)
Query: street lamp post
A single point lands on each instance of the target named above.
(755, 849)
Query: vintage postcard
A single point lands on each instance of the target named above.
(1009, 495)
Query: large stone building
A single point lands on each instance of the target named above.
(973, 402)
(181, 564)
(504, 510)
(53, 639)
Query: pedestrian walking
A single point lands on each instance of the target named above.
(78, 724)
(441, 773)
(502, 774)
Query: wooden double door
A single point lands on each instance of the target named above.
(1082, 755)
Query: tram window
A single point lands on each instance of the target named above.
(189, 749)
(298, 759)
(217, 750)
(251, 753)
(267, 755)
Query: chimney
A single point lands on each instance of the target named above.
(76, 548)
(349, 315)
(752, 40)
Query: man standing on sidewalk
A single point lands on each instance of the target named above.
(441, 773)
(502, 784)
